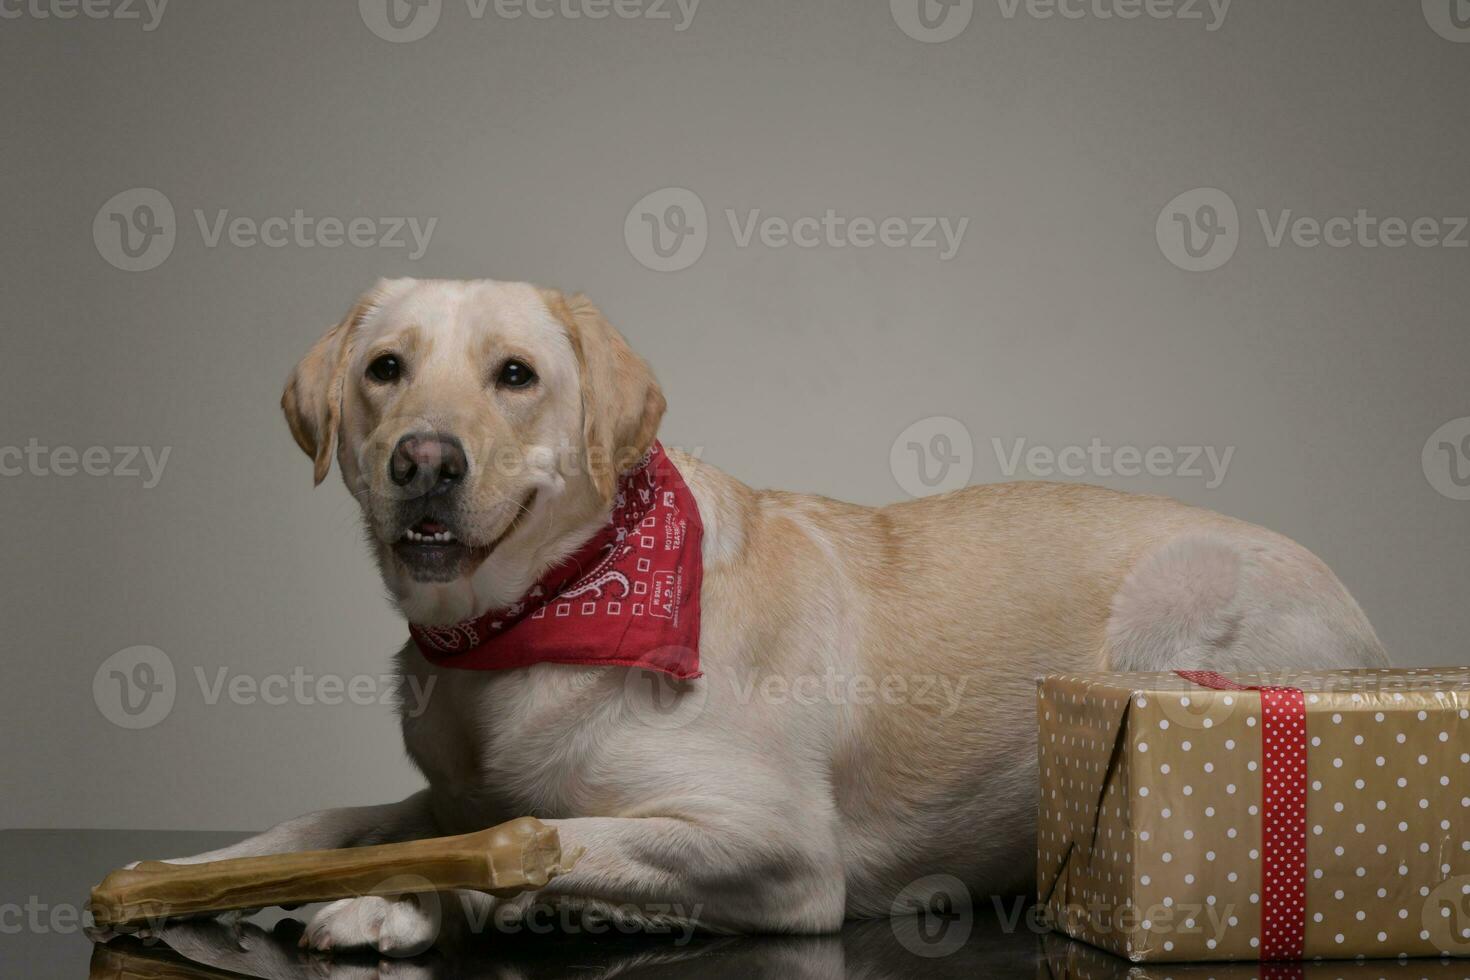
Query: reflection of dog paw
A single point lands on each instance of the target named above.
(326, 968)
(393, 926)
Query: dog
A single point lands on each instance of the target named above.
(762, 811)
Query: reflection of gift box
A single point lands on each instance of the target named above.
(1284, 816)
(1065, 959)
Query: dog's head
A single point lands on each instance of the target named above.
(481, 426)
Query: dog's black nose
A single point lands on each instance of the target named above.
(434, 460)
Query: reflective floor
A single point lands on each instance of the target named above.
(46, 875)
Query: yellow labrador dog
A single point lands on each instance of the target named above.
(764, 812)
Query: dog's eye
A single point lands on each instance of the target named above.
(515, 374)
(386, 368)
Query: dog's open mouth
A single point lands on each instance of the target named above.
(427, 532)
(432, 551)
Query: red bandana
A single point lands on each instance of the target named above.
(628, 598)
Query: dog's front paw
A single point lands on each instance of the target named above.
(393, 926)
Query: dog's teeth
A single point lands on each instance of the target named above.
(438, 537)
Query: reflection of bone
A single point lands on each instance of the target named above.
(211, 951)
(131, 963)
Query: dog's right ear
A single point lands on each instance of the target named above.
(312, 400)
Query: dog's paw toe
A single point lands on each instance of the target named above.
(392, 926)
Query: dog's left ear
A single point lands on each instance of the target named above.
(312, 400)
(622, 403)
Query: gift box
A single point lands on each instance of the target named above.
(1284, 816)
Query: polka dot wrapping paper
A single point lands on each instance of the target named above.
(1265, 816)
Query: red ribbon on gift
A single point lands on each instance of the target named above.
(1283, 812)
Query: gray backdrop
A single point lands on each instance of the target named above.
(1093, 302)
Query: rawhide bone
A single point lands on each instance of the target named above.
(502, 861)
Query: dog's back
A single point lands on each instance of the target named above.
(946, 610)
